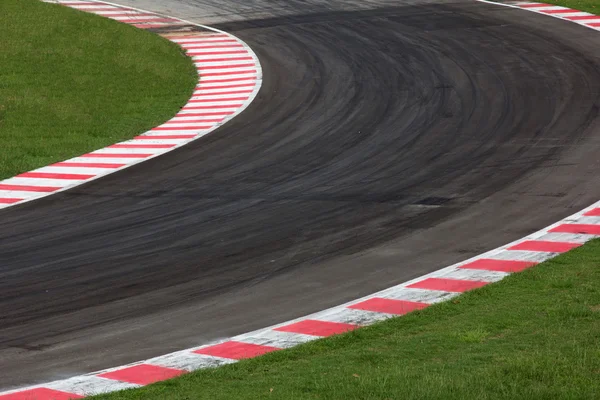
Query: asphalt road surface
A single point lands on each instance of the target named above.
(390, 139)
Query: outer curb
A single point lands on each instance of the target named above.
(419, 293)
(231, 77)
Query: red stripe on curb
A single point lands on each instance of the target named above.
(587, 229)
(123, 14)
(142, 21)
(498, 265)
(559, 11)
(196, 101)
(177, 120)
(164, 137)
(447, 285)
(87, 165)
(203, 94)
(105, 7)
(221, 46)
(198, 121)
(75, 3)
(214, 53)
(218, 100)
(199, 63)
(51, 175)
(251, 82)
(115, 155)
(227, 66)
(206, 114)
(216, 42)
(389, 306)
(236, 350)
(317, 328)
(27, 188)
(198, 36)
(198, 40)
(544, 246)
(9, 200)
(594, 212)
(595, 24)
(228, 80)
(150, 26)
(78, 3)
(583, 17)
(248, 71)
(212, 44)
(141, 146)
(40, 394)
(182, 128)
(198, 107)
(143, 374)
(90, 10)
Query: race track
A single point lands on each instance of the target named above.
(389, 139)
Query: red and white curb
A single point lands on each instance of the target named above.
(230, 78)
(417, 294)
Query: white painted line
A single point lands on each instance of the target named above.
(567, 237)
(134, 17)
(118, 12)
(522, 255)
(62, 183)
(216, 97)
(215, 102)
(17, 194)
(192, 110)
(228, 78)
(222, 63)
(90, 385)
(110, 150)
(197, 118)
(353, 317)
(414, 295)
(282, 340)
(234, 90)
(188, 361)
(474, 275)
(90, 8)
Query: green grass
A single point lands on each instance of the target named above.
(534, 335)
(591, 6)
(72, 82)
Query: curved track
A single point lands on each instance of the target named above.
(388, 140)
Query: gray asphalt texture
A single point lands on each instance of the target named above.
(389, 140)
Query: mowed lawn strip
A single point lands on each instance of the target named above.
(534, 335)
(73, 82)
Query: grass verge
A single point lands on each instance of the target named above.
(72, 82)
(534, 335)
